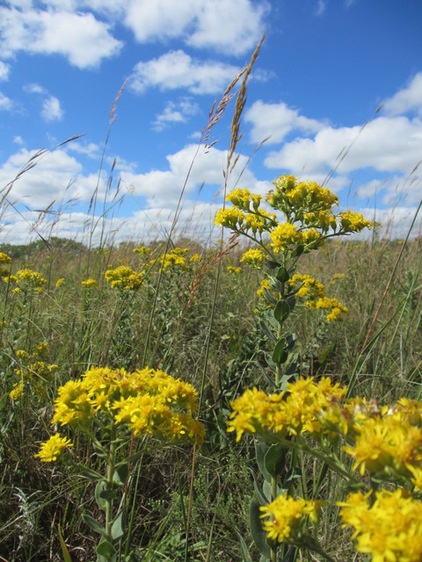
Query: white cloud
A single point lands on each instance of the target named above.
(177, 69)
(6, 103)
(273, 121)
(163, 187)
(231, 26)
(79, 37)
(175, 112)
(57, 176)
(34, 89)
(321, 7)
(4, 70)
(406, 100)
(51, 109)
(385, 145)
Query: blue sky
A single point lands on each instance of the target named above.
(326, 68)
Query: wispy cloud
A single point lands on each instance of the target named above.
(175, 112)
(51, 109)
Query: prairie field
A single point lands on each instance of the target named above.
(193, 313)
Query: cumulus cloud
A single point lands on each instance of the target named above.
(6, 103)
(408, 99)
(385, 144)
(4, 70)
(51, 109)
(56, 177)
(78, 36)
(274, 121)
(177, 69)
(175, 112)
(230, 26)
(163, 187)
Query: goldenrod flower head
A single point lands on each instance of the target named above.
(253, 257)
(143, 251)
(16, 391)
(231, 218)
(5, 259)
(353, 222)
(124, 278)
(285, 235)
(234, 270)
(291, 195)
(147, 402)
(88, 283)
(390, 529)
(285, 516)
(309, 287)
(52, 449)
(243, 198)
(29, 278)
(60, 282)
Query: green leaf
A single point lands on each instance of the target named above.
(298, 251)
(65, 552)
(93, 524)
(272, 264)
(121, 473)
(3, 402)
(106, 550)
(283, 275)
(269, 297)
(280, 354)
(100, 488)
(258, 533)
(118, 526)
(275, 459)
(244, 549)
(281, 311)
(267, 332)
(261, 450)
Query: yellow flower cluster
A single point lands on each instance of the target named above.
(124, 278)
(51, 450)
(385, 441)
(176, 258)
(89, 283)
(5, 263)
(234, 270)
(148, 402)
(33, 370)
(285, 516)
(26, 280)
(253, 257)
(307, 208)
(298, 410)
(388, 441)
(388, 528)
(313, 293)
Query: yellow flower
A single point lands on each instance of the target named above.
(87, 283)
(60, 282)
(285, 515)
(124, 278)
(284, 235)
(253, 257)
(16, 391)
(353, 222)
(234, 270)
(390, 529)
(52, 449)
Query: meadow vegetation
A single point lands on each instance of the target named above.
(257, 398)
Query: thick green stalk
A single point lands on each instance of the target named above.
(109, 485)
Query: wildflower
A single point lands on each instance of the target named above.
(231, 218)
(285, 516)
(88, 283)
(16, 391)
(353, 222)
(234, 270)
(28, 279)
(253, 257)
(390, 529)
(5, 260)
(284, 235)
(52, 449)
(124, 278)
(60, 282)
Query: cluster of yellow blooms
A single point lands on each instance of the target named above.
(384, 441)
(307, 208)
(33, 369)
(389, 528)
(285, 516)
(313, 293)
(25, 280)
(5, 263)
(124, 278)
(146, 402)
(176, 258)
